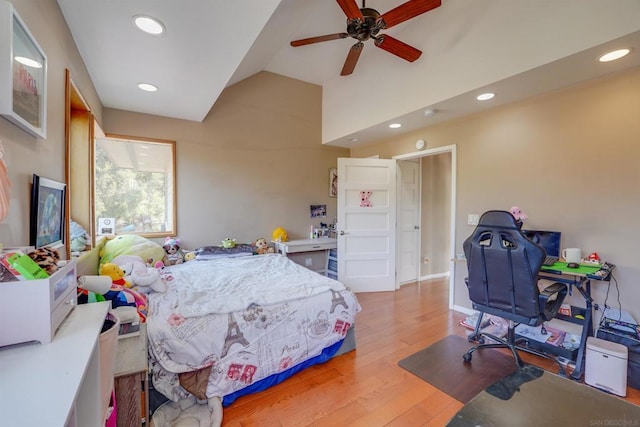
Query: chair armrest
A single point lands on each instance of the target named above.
(551, 298)
(553, 289)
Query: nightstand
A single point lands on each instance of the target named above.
(131, 380)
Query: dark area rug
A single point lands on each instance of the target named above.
(441, 365)
(548, 400)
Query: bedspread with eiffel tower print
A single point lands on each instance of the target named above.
(242, 322)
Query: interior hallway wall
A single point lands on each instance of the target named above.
(568, 158)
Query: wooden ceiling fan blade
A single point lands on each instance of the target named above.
(406, 11)
(352, 59)
(318, 39)
(351, 9)
(398, 48)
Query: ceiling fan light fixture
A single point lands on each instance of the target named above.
(395, 125)
(613, 55)
(148, 24)
(147, 87)
(485, 96)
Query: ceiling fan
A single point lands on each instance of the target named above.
(365, 23)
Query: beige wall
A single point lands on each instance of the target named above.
(436, 214)
(255, 163)
(25, 154)
(569, 159)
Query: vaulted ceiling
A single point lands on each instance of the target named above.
(515, 48)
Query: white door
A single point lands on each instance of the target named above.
(409, 221)
(366, 224)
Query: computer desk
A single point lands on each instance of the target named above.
(580, 278)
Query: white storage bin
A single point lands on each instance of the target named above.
(32, 310)
(606, 366)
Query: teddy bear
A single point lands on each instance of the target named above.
(262, 246)
(173, 255)
(116, 273)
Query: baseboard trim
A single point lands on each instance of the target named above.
(464, 310)
(434, 276)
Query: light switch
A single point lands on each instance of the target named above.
(473, 219)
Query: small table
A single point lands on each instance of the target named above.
(308, 245)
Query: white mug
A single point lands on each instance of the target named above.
(572, 254)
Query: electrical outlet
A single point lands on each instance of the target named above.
(308, 262)
(473, 219)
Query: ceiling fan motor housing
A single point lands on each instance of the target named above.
(364, 30)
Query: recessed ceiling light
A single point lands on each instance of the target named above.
(485, 96)
(354, 139)
(148, 24)
(612, 56)
(28, 62)
(395, 125)
(147, 87)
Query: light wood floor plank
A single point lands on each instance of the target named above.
(366, 387)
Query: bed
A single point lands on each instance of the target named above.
(233, 323)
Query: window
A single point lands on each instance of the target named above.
(135, 185)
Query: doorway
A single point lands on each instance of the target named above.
(432, 221)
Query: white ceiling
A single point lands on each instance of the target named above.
(211, 44)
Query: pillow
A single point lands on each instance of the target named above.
(131, 244)
(213, 252)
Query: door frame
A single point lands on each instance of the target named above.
(452, 232)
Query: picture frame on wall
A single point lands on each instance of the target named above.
(23, 74)
(333, 182)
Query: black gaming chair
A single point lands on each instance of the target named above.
(503, 281)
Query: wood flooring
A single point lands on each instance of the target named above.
(366, 387)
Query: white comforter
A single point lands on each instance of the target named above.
(220, 286)
(265, 315)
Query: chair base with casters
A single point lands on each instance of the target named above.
(509, 342)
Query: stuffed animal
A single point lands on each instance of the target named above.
(262, 246)
(280, 235)
(119, 294)
(519, 215)
(115, 272)
(189, 256)
(172, 251)
(143, 279)
(228, 243)
(46, 258)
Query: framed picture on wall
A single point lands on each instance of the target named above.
(23, 74)
(333, 182)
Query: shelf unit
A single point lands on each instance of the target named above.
(131, 380)
(62, 377)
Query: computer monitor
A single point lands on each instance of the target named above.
(549, 240)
